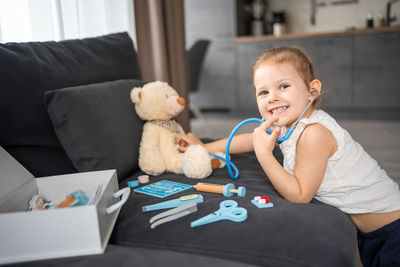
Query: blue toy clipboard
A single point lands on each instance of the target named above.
(163, 188)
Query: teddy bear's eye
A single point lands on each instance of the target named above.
(166, 96)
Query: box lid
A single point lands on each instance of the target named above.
(17, 184)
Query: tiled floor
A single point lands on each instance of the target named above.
(379, 138)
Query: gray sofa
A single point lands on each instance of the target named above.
(65, 108)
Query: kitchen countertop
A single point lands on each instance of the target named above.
(260, 38)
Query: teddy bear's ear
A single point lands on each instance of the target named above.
(136, 94)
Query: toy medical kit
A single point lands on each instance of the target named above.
(163, 188)
(133, 183)
(173, 214)
(289, 132)
(57, 233)
(262, 202)
(77, 198)
(227, 190)
(228, 210)
(174, 202)
(80, 198)
(143, 179)
(36, 203)
(67, 202)
(94, 194)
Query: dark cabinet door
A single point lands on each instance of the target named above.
(377, 70)
(332, 58)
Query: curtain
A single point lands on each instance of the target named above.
(160, 32)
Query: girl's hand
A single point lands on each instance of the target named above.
(262, 141)
(184, 141)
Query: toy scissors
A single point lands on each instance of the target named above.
(228, 210)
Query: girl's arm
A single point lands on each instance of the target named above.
(240, 143)
(314, 147)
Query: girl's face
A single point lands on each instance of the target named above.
(281, 93)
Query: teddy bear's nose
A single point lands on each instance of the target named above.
(181, 101)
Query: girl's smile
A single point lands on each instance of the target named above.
(278, 110)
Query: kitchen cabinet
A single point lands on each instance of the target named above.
(359, 71)
(332, 58)
(377, 70)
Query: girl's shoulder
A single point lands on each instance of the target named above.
(314, 130)
(321, 118)
(317, 135)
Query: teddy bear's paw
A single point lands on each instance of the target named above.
(217, 163)
(196, 162)
(152, 165)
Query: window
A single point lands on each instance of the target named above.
(45, 20)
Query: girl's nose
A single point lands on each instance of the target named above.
(272, 97)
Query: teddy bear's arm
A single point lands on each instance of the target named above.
(168, 147)
(151, 160)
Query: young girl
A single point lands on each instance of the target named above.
(321, 159)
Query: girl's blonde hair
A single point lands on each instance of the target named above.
(293, 55)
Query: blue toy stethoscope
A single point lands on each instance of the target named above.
(289, 132)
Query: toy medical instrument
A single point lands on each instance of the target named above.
(143, 179)
(227, 190)
(289, 132)
(163, 188)
(133, 183)
(262, 202)
(228, 210)
(174, 202)
(173, 214)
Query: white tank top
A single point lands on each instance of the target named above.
(353, 181)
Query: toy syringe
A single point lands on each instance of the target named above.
(227, 190)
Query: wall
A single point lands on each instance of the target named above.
(331, 17)
(213, 20)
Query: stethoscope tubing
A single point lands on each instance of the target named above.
(289, 132)
(229, 164)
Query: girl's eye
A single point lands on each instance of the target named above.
(283, 86)
(262, 92)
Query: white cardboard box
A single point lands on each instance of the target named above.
(74, 231)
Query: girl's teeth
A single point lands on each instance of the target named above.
(278, 110)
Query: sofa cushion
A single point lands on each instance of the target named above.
(27, 70)
(97, 125)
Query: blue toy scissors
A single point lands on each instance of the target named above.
(228, 210)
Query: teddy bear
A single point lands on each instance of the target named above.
(157, 103)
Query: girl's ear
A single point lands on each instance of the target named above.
(315, 85)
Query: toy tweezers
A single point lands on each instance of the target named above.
(174, 202)
(173, 214)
